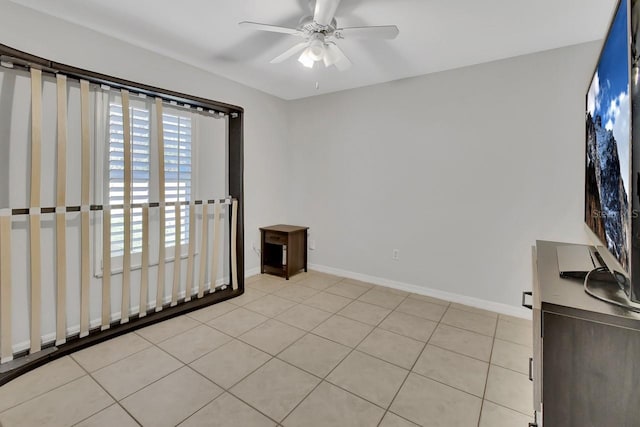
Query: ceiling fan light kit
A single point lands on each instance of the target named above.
(306, 60)
(320, 33)
(316, 47)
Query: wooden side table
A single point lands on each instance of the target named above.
(283, 250)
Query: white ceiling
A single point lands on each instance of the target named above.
(435, 35)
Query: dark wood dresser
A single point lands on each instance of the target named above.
(283, 250)
(586, 355)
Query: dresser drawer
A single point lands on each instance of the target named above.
(275, 238)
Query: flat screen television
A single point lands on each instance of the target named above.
(610, 210)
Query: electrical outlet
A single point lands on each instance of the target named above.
(312, 244)
(395, 255)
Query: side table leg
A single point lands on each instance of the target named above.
(305, 249)
(288, 266)
(262, 252)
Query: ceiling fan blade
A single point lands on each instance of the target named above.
(270, 28)
(306, 5)
(380, 32)
(289, 53)
(335, 56)
(325, 11)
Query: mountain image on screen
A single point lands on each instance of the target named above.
(607, 205)
(608, 140)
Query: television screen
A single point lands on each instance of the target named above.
(608, 118)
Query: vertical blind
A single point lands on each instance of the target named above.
(177, 155)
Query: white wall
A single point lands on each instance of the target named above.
(265, 144)
(461, 171)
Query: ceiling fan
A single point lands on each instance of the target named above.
(321, 32)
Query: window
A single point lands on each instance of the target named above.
(177, 159)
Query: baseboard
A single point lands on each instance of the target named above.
(430, 292)
(251, 272)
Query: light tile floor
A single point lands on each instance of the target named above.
(317, 350)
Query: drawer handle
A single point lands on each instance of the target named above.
(524, 297)
(531, 369)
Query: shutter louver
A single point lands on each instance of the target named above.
(140, 175)
(177, 173)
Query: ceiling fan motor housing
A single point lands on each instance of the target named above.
(308, 26)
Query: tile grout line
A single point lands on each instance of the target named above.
(116, 401)
(244, 332)
(468, 330)
(171, 336)
(44, 392)
(291, 298)
(364, 352)
(411, 370)
(508, 369)
(158, 379)
(249, 404)
(203, 355)
(228, 390)
(484, 393)
(81, 367)
(276, 319)
(235, 307)
(502, 367)
(338, 364)
(323, 379)
(152, 382)
(271, 357)
(460, 354)
(184, 365)
(84, 369)
(220, 346)
(224, 390)
(445, 384)
(151, 344)
(514, 320)
(475, 310)
(502, 405)
(414, 364)
(352, 349)
(514, 343)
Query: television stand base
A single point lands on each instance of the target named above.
(601, 284)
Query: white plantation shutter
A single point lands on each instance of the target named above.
(177, 166)
(140, 174)
(177, 173)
